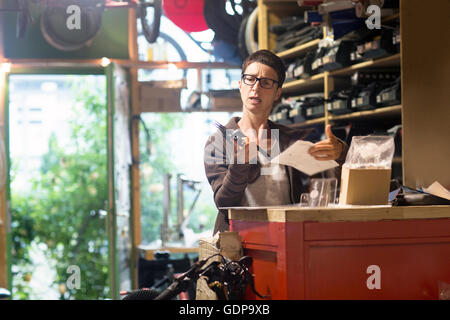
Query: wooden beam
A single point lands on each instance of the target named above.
(425, 92)
(135, 175)
(263, 25)
(178, 64)
(3, 207)
(76, 63)
(52, 63)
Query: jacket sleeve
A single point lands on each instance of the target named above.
(343, 155)
(228, 181)
(341, 161)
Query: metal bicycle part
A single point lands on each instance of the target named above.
(23, 19)
(150, 29)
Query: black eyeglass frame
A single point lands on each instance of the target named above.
(259, 79)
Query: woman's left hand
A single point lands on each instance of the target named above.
(328, 149)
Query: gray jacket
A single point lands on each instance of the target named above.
(228, 181)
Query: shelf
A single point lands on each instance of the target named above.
(390, 17)
(305, 85)
(43, 63)
(368, 114)
(296, 51)
(312, 45)
(375, 113)
(316, 82)
(390, 61)
(307, 123)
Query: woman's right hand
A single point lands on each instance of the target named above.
(247, 152)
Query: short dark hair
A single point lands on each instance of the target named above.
(269, 59)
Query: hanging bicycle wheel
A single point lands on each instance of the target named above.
(149, 12)
(56, 31)
(173, 52)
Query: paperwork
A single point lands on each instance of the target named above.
(297, 156)
(438, 190)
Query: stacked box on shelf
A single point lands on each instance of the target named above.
(294, 31)
(225, 100)
(391, 95)
(370, 89)
(280, 113)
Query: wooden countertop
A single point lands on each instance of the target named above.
(294, 213)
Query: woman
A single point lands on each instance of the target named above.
(254, 181)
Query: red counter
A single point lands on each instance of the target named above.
(351, 253)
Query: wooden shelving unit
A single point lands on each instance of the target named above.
(386, 62)
(318, 79)
(293, 52)
(386, 112)
(305, 85)
(425, 82)
(375, 113)
(308, 123)
(327, 81)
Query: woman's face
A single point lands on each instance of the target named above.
(256, 99)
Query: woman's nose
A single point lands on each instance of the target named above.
(256, 85)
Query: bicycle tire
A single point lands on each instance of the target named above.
(241, 39)
(92, 18)
(250, 41)
(175, 44)
(151, 32)
(225, 26)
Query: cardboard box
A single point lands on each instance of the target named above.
(160, 96)
(225, 100)
(365, 186)
(226, 103)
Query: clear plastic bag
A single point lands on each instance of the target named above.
(370, 152)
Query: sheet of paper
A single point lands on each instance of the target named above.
(438, 190)
(297, 156)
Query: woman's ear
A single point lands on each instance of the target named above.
(278, 94)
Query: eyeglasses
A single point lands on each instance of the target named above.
(265, 83)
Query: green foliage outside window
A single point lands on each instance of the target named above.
(61, 212)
